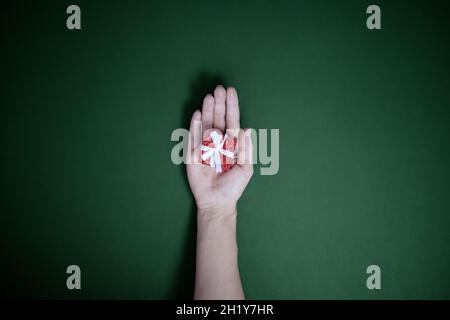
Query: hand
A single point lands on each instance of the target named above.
(219, 192)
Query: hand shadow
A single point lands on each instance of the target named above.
(183, 286)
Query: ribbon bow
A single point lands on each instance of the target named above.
(214, 153)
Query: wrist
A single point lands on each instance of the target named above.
(216, 227)
(208, 212)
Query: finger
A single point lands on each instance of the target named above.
(194, 141)
(232, 112)
(219, 108)
(208, 112)
(245, 151)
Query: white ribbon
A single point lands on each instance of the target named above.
(214, 153)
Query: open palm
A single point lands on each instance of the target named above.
(212, 189)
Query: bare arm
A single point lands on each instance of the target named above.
(217, 274)
(216, 194)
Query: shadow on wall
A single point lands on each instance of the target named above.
(183, 286)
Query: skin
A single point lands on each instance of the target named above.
(216, 195)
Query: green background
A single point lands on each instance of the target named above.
(86, 119)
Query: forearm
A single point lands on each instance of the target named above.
(217, 273)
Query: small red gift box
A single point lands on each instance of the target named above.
(218, 151)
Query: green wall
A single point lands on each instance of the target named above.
(86, 118)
